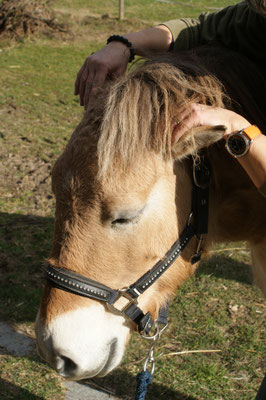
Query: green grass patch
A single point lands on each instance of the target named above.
(148, 10)
(37, 94)
(24, 244)
(23, 379)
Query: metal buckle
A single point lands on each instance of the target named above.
(197, 256)
(126, 295)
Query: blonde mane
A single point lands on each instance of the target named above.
(137, 113)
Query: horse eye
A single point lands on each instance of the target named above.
(127, 217)
(120, 221)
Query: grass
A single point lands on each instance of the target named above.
(219, 309)
(23, 379)
(147, 10)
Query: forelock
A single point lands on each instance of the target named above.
(141, 108)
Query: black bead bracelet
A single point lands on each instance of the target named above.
(122, 39)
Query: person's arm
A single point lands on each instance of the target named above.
(237, 27)
(254, 162)
(112, 59)
(155, 40)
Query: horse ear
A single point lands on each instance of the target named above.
(195, 139)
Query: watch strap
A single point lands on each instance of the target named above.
(252, 132)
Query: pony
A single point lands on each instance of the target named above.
(123, 196)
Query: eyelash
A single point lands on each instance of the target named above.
(124, 221)
(121, 221)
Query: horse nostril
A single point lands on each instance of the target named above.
(65, 366)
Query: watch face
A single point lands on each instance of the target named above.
(237, 145)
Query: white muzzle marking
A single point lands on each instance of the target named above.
(83, 343)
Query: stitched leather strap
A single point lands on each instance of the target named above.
(161, 266)
(78, 284)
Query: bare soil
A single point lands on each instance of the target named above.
(30, 175)
(20, 18)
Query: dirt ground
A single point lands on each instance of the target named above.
(23, 17)
(22, 175)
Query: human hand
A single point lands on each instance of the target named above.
(110, 61)
(199, 114)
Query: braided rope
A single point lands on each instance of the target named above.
(144, 378)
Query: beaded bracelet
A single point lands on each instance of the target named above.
(122, 39)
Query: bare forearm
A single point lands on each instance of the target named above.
(254, 162)
(155, 40)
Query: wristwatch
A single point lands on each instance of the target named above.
(238, 143)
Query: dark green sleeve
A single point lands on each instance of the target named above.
(237, 27)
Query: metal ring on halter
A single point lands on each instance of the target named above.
(157, 334)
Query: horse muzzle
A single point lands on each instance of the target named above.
(84, 343)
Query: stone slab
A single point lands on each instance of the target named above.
(14, 342)
(82, 391)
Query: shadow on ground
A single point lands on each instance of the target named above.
(8, 391)
(226, 267)
(25, 242)
(116, 381)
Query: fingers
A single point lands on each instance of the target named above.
(94, 82)
(77, 81)
(110, 61)
(90, 77)
(85, 84)
(179, 130)
(188, 117)
(199, 114)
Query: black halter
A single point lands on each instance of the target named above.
(70, 281)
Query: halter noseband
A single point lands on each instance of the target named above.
(70, 281)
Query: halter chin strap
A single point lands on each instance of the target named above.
(70, 281)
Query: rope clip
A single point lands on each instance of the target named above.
(155, 338)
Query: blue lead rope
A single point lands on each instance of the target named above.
(144, 378)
